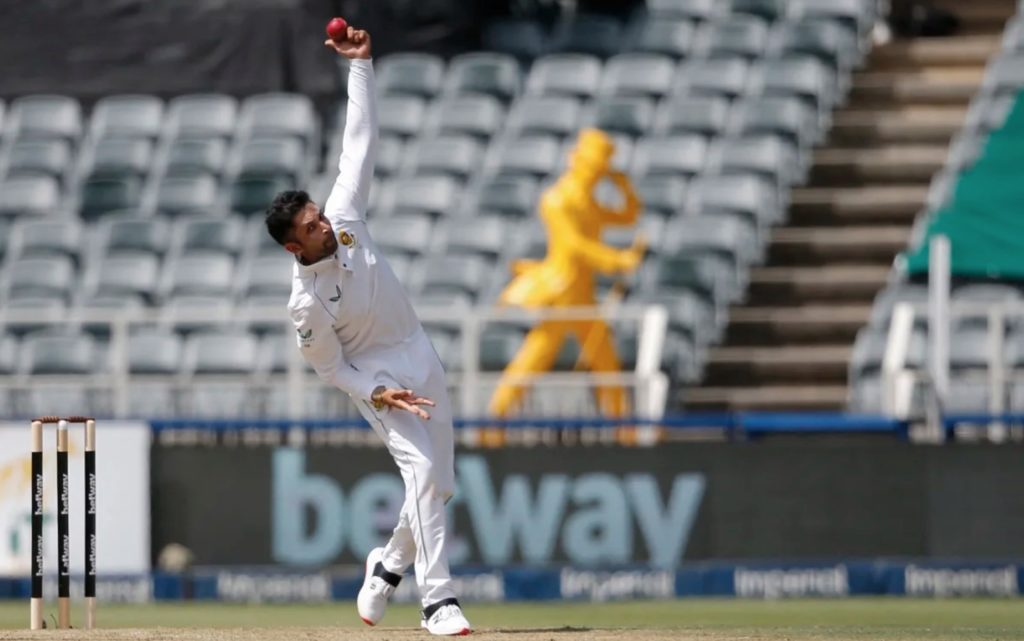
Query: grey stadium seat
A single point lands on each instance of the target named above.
(127, 116)
(255, 193)
(200, 275)
(790, 118)
(718, 77)
(45, 313)
(121, 235)
(697, 10)
(704, 115)
(44, 116)
(638, 74)
(405, 234)
(743, 36)
(806, 78)
(498, 346)
(6, 229)
(269, 275)
(125, 275)
(484, 236)
(536, 156)
(770, 10)
(60, 352)
(8, 355)
(631, 116)
(45, 277)
(434, 195)
(47, 237)
(887, 299)
(39, 157)
(766, 156)
(869, 352)
(506, 196)
(117, 157)
(273, 157)
(458, 156)
(217, 354)
(190, 156)
(390, 157)
(399, 115)
(652, 228)
(417, 74)
(747, 197)
(665, 36)
(491, 74)
(202, 116)
(523, 39)
(856, 16)
(29, 195)
(181, 194)
(678, 155)
(822, 39)
(188, 313)
(968, 348)
(565, 74)
(592, 34)
(1007, 74)
(153, 357)
(662, 195)
(125, 306)
(721, 235)
(968, 394)
(279, 114)
(461, 274)
(479, 116)
(103, 195)
(558, 115)
(219, 234)
(669, 274)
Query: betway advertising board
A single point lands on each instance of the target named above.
(602, 507)
(122, 498)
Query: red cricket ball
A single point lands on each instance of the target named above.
(337, 29)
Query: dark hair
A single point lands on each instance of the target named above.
(281, 213)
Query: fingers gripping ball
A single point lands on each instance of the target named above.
(337, 29)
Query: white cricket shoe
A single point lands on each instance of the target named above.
(378, 586)
(445, 618)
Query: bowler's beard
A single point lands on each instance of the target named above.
(329, 246)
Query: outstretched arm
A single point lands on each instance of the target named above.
(350, 195)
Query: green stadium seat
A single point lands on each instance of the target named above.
(154, 351)
(498, 346)
(100, 196)
(790, 118)
(821, 39)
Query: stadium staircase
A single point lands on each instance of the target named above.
(788, 345)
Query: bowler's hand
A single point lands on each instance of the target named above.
(404, 399)
(356, 44)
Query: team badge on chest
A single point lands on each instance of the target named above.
(347, 239)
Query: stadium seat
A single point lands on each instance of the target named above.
(60, 352)
(29, 195)
(43, 313)
(727, 77)
(741, 36)
(124, 306)
(536, 156)
(790, 118)
(154, 351)
(6, 228)
(269, 275)
(120, 157)
(565, 74)
(481, 116)
(123, 234)
(968, 394)
(202, 117)
(188, 313)
(591, 34)
(273, 157)
(127, 116)
(39, 157)
(557, 115)
(42, 116)
(704, 115)
(968, 348)
(400, 115)
(200, 275)
(523, 39)
(821, 39)
(216, 354)
(39, 277)
(490, 74)
(678, 155)
(631, 116)
(460, 274)
(1006, 74)
(669, 274)
(856, 16)
(729, 237)
(888, 298)
(638, 74)
(391, 154)
(697, 10)
(662, 35)
(192, 156)
(435, 195)
(486, 236)
(689, 314)
(498, 346)
(650, 227)
(770, 10)
(221, 234)
(746, 197)
(125, 275)
(869, 352)
(458, 156)
(279, 114)
(416, 74)
(57, 236)
(514, 196)
(405, 234)
(186, 194)
(806, 78)
(662, 195)
(770, 157)
(103, 195)
(255, 193)
(8, 356)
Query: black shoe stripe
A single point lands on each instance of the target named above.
(434, 607)
(390, 578)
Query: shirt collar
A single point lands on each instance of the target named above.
(324, 264)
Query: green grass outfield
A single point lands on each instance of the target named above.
(860, 618)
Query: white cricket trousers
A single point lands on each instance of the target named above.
(424, 451)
